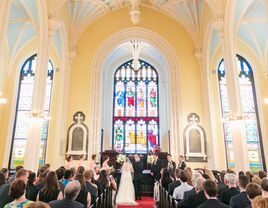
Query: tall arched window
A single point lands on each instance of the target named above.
(23, 108)
(250, 112)
(135, 113)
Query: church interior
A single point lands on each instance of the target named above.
(184, 77)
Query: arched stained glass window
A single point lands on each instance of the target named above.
(135, 114)
(23, 108)
(250, 111)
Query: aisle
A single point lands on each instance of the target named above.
(145, 202)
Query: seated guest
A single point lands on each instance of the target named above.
(17, 191)
(105, 181)
(175, 184)
(2, 179)
(221, 185)
(80, 170)
(51, 190)
(181, 164)
(256, 180)
(262, 174)
(190, 174)
(60, 174)
(67, 177)
(249, 175)
(171, 166)
(4, 189)
(91, 187)
(210, 175)
(31, 191)
(253, 190)
(179, 191)
(83, 196)
(241, 200)
(165, 178)
(5, 172)
(38, 205)
(259, 202)
(71, 191)
(231, 181)
(264, 186)
(192, 191)
(13, 177)
(211, 192)
(41, 175)
(197, 199)
(241, 173)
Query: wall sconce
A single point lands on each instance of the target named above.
(265, 100)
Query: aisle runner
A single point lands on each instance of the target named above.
(146, 202)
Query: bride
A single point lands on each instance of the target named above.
(126, 192)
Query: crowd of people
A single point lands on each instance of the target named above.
(79, 187)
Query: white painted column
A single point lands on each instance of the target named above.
(235, 106)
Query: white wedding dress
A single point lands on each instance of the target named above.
(126, 192)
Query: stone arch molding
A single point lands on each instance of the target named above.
(160, 44)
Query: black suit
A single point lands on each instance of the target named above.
(189, 193)
(182, 165)
(240, 200)
(172, 186)
(225, 196)
(156, 168)
(66, 203)
(4, 197)
(93, 191)
(213, 203)
(193, 200)
(138, 168)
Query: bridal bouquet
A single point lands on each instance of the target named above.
(150, 159)
(121, 158)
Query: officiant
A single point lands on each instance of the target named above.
(137, 180)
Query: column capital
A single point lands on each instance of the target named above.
(53, 25)
(198, 53)
(218, 25)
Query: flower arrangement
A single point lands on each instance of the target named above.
(121, 158)
(150, 159)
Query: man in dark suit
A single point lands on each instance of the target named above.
(138, 168)
(241, 200)
(90, 186)
(4, 197)
(71, 191)
(182, 164)
(171, 166)
(175, 184)
(156, 168)
(211, 192)
(230, 179)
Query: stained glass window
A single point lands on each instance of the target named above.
(136, 116)
(23, 108)
(249, 106)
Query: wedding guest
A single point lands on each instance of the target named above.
(210, 175)
(47, 165)
(171, 166)
(105, 165)
(259, 202)
(182, 164)
(67, 177)
(13, 177)
(92, 163)
(156, 168)
(166, 179)
(5, 172)
(38, 205)
(231, 181)
(241, 173)
(253, 190)
(221, 185)
(211, 192)
(2, 179)
(32, 191)
(193, 190)
(83, 196)
(82, 159)
(90, 186)
(71, 191)
(241, 200)
(105, 181)
(249, 175)
(21, 174)
(80, 169)
(17, 191)
(69, 162)
(51, 190)
(262, 174)
(190, 174)
(256, 180)
(264, 186)
(175, 184)
(60, 174)
(179, 191)
(138, 168)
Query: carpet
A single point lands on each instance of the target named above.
(145, 202)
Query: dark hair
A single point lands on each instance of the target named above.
(18, 168)
(80, 169)
(103, 179)
(169, 155)
(241, 173)
(264, 184)
(165, 178)
(249, 175)
(105, 157)
(205, 176)
(47, 165)
(68, 174)
(31, 178)
(2, 179)
(17, 189)
(4, 170)
(253, 190)
(243, 181)
(262, 174)
(51, 184)
(38, 205)
(41, 170)
(211, 188)
(80, 177)
(222, 174)
(68, 158)
(21, 173)
(93, 157)
(183, 175)
(73, 171)
(60, 173)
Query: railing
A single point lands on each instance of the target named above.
(105, 200)
(165, 200)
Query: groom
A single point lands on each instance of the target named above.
(138, 168)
